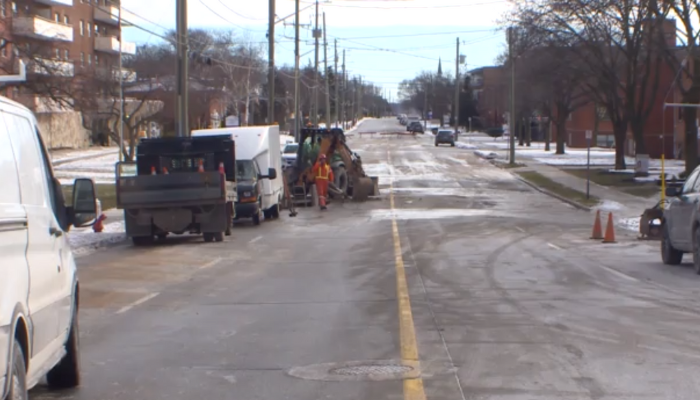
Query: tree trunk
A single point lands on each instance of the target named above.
(690, 146)
(528, 138)
(548, 136)
(638, 135)
(561, 134)
(521, 134)
(620, 131)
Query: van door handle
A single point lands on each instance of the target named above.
(55, 232)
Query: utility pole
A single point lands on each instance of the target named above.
(183, 124)
(271, 64)
(296, 70)
(354, 101)
(314, 107)
(325, 70)
(359, 100)
(456, 110)
(336, 81)
(342, 95)
(512, 96)
(121, 90)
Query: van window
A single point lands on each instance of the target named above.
(32, 177)
(8, 170)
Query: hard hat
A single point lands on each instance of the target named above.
(323, 156)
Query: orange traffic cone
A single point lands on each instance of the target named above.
(597, 227)
(609, 230)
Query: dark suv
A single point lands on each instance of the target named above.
(681, 222)
(445, 136)
(414, 127)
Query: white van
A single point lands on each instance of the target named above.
(257, 152)
(38, 279)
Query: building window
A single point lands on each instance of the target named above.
(97, 60)
(66, 20)
(82, 28)
(82, 59)
(89, 59)
(97, 30)
(58, 54)
(57, 17)
(3, 44)
(89, 29)
(66, 54)
(14, 8)
(3, 11)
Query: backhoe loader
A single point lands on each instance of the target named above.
(351, 181)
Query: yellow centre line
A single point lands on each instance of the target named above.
(412, 387)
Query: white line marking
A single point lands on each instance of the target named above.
(520, 229)
(137, 302)
(619, 274)
(210, 263)
(554, 246)
(255, 239)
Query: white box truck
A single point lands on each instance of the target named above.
(257, 149)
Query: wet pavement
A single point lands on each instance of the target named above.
(459, 282)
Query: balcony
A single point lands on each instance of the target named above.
(51, 67)
(109, 15)
(44, 104)
(42, 28)
(127, 75)
(110, 44)
(68, 3)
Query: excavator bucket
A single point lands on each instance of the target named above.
(362, 189)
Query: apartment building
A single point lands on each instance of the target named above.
(61, 42)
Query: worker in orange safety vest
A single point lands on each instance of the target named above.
(323, 174)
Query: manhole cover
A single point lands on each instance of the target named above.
(374, 370)
(360, 370)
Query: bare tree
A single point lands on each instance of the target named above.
(616, 42)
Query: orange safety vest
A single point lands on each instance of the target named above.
(323, 171)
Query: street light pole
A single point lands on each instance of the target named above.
(271, 65)
(512, 96)
(182, 48)
(296, 70)
(456, 110)
(325, 63)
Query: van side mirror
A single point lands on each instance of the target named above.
(84, 209)
(673, 191)
(271, 174)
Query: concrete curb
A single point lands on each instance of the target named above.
(573, 203)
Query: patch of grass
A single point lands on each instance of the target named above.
(507, 165)
(555, 187)
(621, 181)
(106, 192)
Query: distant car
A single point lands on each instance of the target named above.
(415, 127)
(435, 130)
(445, 136)
(289, 155)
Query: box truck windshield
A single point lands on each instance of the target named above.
(245, 170)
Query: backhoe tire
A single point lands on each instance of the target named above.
(341, 181)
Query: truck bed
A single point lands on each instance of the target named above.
(176, 190)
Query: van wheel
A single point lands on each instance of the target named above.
(18, 377)
(66, 374)
(256, 219)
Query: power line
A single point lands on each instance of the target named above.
(403, 7)
(241, 15)
(425, 34)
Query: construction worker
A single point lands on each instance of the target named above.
(322, 175)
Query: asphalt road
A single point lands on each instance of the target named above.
(460, 282)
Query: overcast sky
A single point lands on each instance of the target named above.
(385, 41)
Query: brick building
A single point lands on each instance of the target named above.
(59, 40)
(490, 88)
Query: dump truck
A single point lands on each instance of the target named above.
(178, 185)
(351, 181)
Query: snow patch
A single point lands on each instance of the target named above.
(85, 240)
(608, 205)
(466, 146)
(416, 213)
(631, 224)
(487, 155)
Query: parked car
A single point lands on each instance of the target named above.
(680, 226)
(289, 155)
(38, 275)
(414, 127)
(445, 136)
